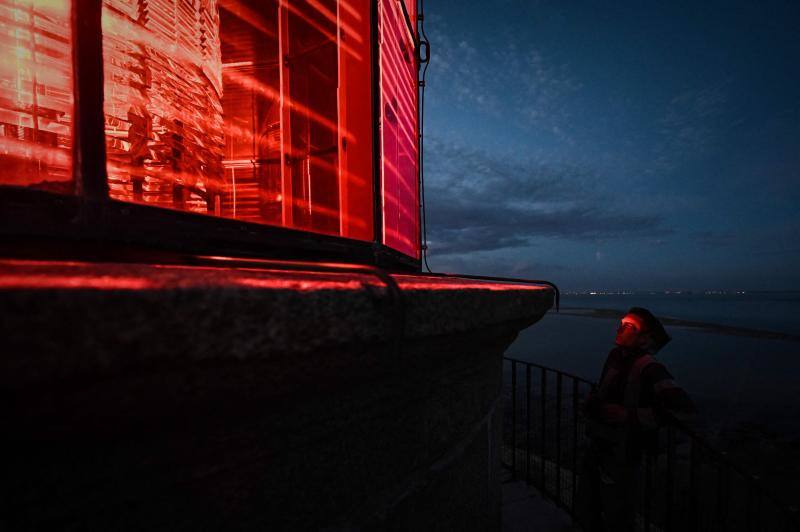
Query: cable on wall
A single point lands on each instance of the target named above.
(423, 58)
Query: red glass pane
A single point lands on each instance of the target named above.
(311, 66)
(163, 86)
(411, 9)
(242, 109)
(398, 132)
(356, 120)
(253, 186)
(36, 103)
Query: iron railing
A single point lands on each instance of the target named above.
(688, 486)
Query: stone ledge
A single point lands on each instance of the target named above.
(75, 320)
(143, 397)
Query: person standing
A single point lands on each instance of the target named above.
(635, 397)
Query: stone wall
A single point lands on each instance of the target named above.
(108, 429)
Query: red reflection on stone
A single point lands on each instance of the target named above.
(408, 282)
(224, 272)
(52, 281)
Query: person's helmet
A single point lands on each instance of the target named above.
(652, 327)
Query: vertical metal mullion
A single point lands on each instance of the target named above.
(284, 81)
(341, 124)
(377, 122)
(418, 130)
(89, 153)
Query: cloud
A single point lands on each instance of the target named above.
(462, 77)
(500, 79)
(478, 201)
(714, 238)
(545, 88)
(495, 265)
(687, 126)
(778, 252)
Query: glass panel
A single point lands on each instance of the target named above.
(36, 94)
(411, 9)
(356, 120)
(311, 65)
(236, 108)
(399, 132)
(163, 108)
(253, 188)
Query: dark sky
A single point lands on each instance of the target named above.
(615, 145)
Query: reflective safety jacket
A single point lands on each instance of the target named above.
(635, 380)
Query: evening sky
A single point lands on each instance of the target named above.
(615, 145)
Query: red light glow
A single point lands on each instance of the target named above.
(259, 110)
(36, 94)
(86, 282)
(242, 109)
(634, 321)
(222, 271)
(421, 282)
(399, 132)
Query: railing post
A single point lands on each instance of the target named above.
(527, 423)
(648, 489)
(574, 441)
(669, 480)
(791, 518)
(543, 433)
(720, 518)
(694, 515)
(753, 505)
(514, 419)
(558, 438)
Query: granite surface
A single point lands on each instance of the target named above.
(207, 398)
(75, 320)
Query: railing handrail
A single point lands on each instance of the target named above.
(548, 368)
(717, 456)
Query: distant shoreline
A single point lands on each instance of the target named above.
(613, 314)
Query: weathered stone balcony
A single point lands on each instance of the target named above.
(165, 397)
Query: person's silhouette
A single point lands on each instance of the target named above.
(631, 402)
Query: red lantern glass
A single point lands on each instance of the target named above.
(36, 94)
(399, 132)
(246, 109)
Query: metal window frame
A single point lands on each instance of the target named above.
(90, 224)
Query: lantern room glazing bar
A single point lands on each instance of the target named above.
(88, 143)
